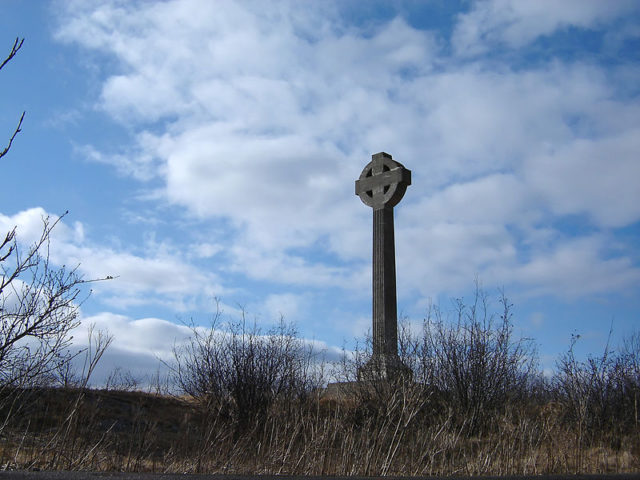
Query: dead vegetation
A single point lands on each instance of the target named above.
(401, 433)
(255, 404)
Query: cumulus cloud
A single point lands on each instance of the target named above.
(144, 347)
(152, 337)
(141, 347)
(265, 119)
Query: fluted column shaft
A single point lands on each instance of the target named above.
(385, 316)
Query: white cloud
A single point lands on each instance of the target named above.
(138, 163)
(516, 23)
(578, 267)
(159, 277)
(492, 199)
(598, 177)
(152, 337)
(293, 269)
(445, 256)
(143, 280)
(29, 224)
(206, 249)
(265, 119)
(145, 346)
(142, 347)
(286, 305)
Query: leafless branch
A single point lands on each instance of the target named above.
(13, 136)
(17, 45)
(14, 49)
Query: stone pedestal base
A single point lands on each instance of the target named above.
(342, 390)
(384, 367)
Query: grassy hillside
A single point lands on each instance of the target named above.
(400, 429)
(250, 402)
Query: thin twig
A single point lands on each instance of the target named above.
(17, 45)
(13, 136)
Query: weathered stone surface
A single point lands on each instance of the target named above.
(381, 186)
(383, 182)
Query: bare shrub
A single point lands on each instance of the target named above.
(476, 362)
(237, 367)
(630, 354)
(121, 379)
(471, 369)
(601, 393)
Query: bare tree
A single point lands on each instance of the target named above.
(38, 308)
(39, 302)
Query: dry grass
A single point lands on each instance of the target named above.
(477, 406)
(403, 431)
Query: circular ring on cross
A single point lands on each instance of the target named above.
(383, 182)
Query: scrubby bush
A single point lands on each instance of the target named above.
(476, 361)
(600, 394)
(239, 368)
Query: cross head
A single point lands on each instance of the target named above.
(383, 182)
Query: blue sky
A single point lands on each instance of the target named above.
(209, 149)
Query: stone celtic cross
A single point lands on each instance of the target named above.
(381, 186)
